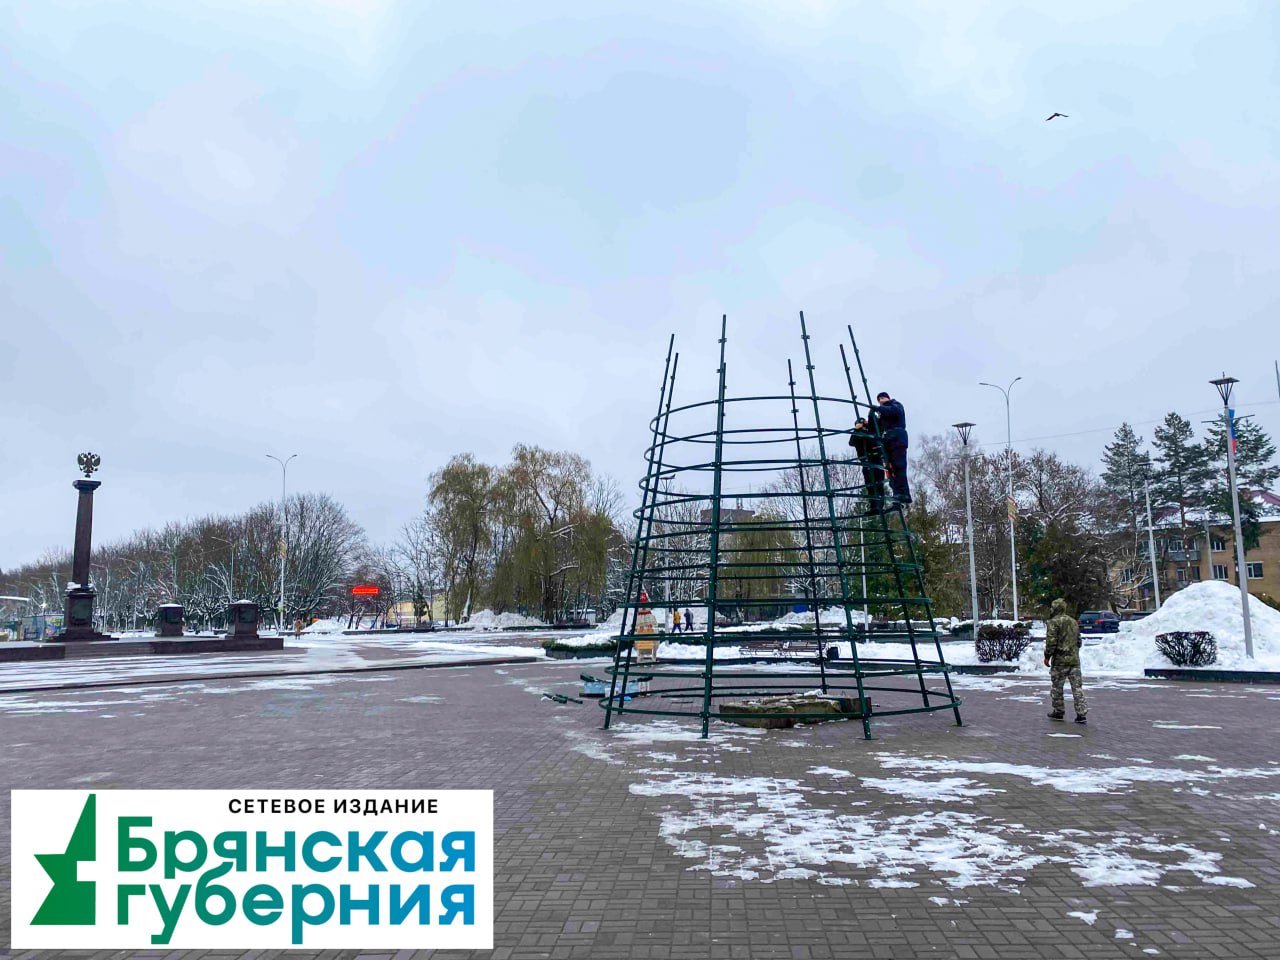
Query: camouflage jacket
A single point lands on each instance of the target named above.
(1062, 642)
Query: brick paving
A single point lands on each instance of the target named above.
(640, 842)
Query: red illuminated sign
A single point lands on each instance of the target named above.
(365, 590)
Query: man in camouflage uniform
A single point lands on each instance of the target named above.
(1062, 657)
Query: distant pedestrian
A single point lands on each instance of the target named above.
(892, 419)
(297, 628)
(675, 620)
(1062, 657)
(688, 620)
(864, 443)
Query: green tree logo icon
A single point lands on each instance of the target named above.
(71, 902)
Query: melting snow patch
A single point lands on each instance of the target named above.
(1090, 917)
(1194, 756)
(1124, 935)
(1068, 780)
(949, 789)
(1075, 736)
(1171, 725)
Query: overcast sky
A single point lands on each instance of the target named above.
(377, 234)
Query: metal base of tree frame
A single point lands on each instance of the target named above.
(747, 511)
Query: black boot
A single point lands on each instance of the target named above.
(1057, 715)
(1080, 718)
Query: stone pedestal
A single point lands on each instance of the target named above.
(169, 620)
(79, 607)
(244, 616)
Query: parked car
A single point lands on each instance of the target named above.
(1099, 621)
(1127, 616)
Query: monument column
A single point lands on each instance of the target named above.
(78, 624)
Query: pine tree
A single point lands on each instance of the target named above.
(1256, 466)
(1182, 469)
(1256, 469)
(1125, 467)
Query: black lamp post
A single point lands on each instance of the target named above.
(1224, 385)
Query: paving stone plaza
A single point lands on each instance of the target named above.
(1155, 831)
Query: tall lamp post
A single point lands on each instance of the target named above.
(1151, 543)
(231, 579)
(964, 429)
(284, 531)
(1224, 385)
(1008, 426)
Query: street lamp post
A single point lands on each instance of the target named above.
(1224, 385)
(284, 532)
(231, 579)
(964, 429)
(1008, 426)
(1151, 543)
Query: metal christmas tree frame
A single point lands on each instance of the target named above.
(746, 511)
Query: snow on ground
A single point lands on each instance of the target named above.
(766, 828)
(308, 654)
(488, 620)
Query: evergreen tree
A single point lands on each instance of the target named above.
(1125, 467)
(1182, 473)
(1256, 469)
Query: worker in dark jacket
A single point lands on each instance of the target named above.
(863, 440)
(892, 419)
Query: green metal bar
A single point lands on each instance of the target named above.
(808, 532)
(884, 521)
(648, 534)
(835, 526)
(862, 373)
(713, 573)
(667, 383)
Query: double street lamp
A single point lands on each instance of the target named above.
(964, 428)
(284, 530)
(1008, 425)
(1224, 385)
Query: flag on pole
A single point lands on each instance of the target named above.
(1013, 509)
(1231, 430)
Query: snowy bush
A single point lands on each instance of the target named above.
(1001, 643)
(1188, 648)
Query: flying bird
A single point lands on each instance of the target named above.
(1055, 114)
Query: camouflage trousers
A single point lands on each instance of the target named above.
(1060, 675)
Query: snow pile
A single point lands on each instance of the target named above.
(830, 616)
(1214, 606)
(1210, 605)
(488, 620)
(330, 625)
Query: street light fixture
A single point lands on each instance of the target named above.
(1008, 426)
(231, 580)
(1225, 385)
(965, 428)
(284, 532)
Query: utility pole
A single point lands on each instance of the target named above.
(1008, 425)
(1151, 543)
(284, 532)
(1224, 385)
(965, 429)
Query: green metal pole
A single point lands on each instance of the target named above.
(808, 532)
(713, 573)
(888, 533)
(649, 483)
(835, 531)
(946, 675)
